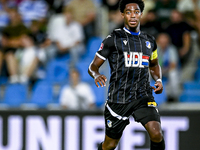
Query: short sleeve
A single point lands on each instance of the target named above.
(105, 47)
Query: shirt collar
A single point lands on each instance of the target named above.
(130, 32)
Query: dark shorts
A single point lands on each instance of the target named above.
(117, 115)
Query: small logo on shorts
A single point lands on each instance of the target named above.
(109, 123)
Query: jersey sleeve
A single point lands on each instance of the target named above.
(105, 47)
(154, 53)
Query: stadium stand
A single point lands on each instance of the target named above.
(15, 95)
(57, 71)
(42, 94)
(83, 67)
(91, 48)
(191, 92)
(100, 94)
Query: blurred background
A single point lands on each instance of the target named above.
(46, 47)
(42, 42)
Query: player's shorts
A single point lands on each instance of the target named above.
(117, 115)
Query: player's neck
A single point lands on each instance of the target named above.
(133, 29)
(135, 32)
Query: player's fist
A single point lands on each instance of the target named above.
(158, 87)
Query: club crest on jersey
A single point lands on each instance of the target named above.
(148, 44)
(136, 59)
(109, 123)
(101, 47)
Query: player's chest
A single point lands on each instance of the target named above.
(135, 52)
(133, 45)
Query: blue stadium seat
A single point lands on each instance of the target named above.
(198, 63)
(190, 96)
(92, 47)
(94, 44)
(100, 94)
(57, 71)
(197, 75)
(15, 95)
(3, 80)
(192, 85)
(64, 58)
(82, 67)
(42, 94)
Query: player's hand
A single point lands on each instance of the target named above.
(101, 79)
(158, 87)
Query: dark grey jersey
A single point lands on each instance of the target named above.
(128, 55)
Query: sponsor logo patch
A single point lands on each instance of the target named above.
(135, 59)
(101, 47)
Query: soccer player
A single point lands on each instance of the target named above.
(132, 54)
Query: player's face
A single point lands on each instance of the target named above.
(132, 16)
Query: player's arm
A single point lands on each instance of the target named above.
(101, 55)
(93, 71)
(156, 73)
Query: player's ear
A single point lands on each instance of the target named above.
(141, 14)
(122, 14)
